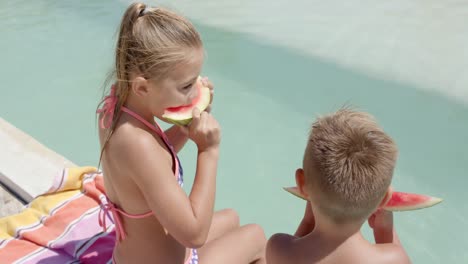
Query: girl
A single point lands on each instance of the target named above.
(158, 59)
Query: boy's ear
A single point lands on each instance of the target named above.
(300, 182)
(140, 86)
(387, 197)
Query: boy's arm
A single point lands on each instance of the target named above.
(308, 222)
(389, 235)
(382, 224)
(384, 233)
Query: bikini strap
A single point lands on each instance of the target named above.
(156, 128)
(109, 208)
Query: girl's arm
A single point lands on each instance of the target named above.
(178, 136)
(187, 219)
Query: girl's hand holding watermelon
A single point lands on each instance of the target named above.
(204, 130)
(184, 127)
(207, 83)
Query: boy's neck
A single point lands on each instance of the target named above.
(335, 233)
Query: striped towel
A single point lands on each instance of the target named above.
(62, 225)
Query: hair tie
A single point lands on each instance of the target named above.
(143, 12)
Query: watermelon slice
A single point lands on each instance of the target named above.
(400, 201)
(182, 115)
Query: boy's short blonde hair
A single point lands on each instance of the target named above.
(348, 164)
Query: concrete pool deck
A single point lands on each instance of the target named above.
(9, 204)
(27, 168)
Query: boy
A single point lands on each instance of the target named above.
(347, 169)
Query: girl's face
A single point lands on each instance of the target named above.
(178, 87)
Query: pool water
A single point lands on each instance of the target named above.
(55, 56)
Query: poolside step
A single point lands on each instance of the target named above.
(27, 167)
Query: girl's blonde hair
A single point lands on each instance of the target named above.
(151, 42)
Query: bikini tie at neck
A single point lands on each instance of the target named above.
(108, 109)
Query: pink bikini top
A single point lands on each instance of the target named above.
(107, 116)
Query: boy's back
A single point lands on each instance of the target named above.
(347, 169)
(311, 249)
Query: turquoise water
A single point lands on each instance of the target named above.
(55, 55)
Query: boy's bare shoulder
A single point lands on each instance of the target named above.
(367, 253)
(279, 248)
(392, 253)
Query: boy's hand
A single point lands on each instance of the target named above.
(381, 219)
(207, 83)
(382, 223)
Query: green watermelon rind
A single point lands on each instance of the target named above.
(205, 102)
(431, 201)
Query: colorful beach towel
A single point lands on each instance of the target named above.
(62, 225)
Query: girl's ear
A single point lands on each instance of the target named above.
(139, 86)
